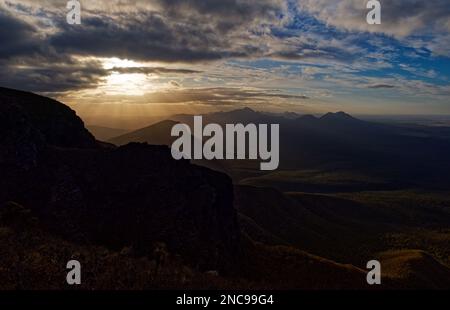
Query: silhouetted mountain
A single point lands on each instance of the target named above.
(291, 115)
(338, 116)
(244, 116)
(244, 113)
(135, 195)
(307, 118)
(340, 143)
(156, 134)
(105, 133)
(57, 123)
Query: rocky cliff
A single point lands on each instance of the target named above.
(133, 196)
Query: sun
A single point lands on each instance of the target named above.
(130, 84)
(110, 63)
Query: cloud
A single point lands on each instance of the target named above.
(37, 41)
(379, 86)
(17, 37)
(152, 70)
(143, 36)
(400, 18)
(219, 96)
(190, 46)
(48, 78)
(168, 31)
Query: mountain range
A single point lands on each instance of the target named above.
(370, 155)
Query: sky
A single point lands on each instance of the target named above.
(131, 59)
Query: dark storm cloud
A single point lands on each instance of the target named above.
(225, 15)
(53, 78)
(16, 37)
(37, 41)
(143, 36)
(30, 59)
(74, 75)
(181, 31)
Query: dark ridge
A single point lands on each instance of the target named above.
(58, 124)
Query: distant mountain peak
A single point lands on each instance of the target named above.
(246, 109)
(290, 115)
(166, 122)
(337, 116)
(343, 114)
(157, 134)
(242, 114)
(243, 111)
(307, 117)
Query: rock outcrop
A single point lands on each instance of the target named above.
(133, 196)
